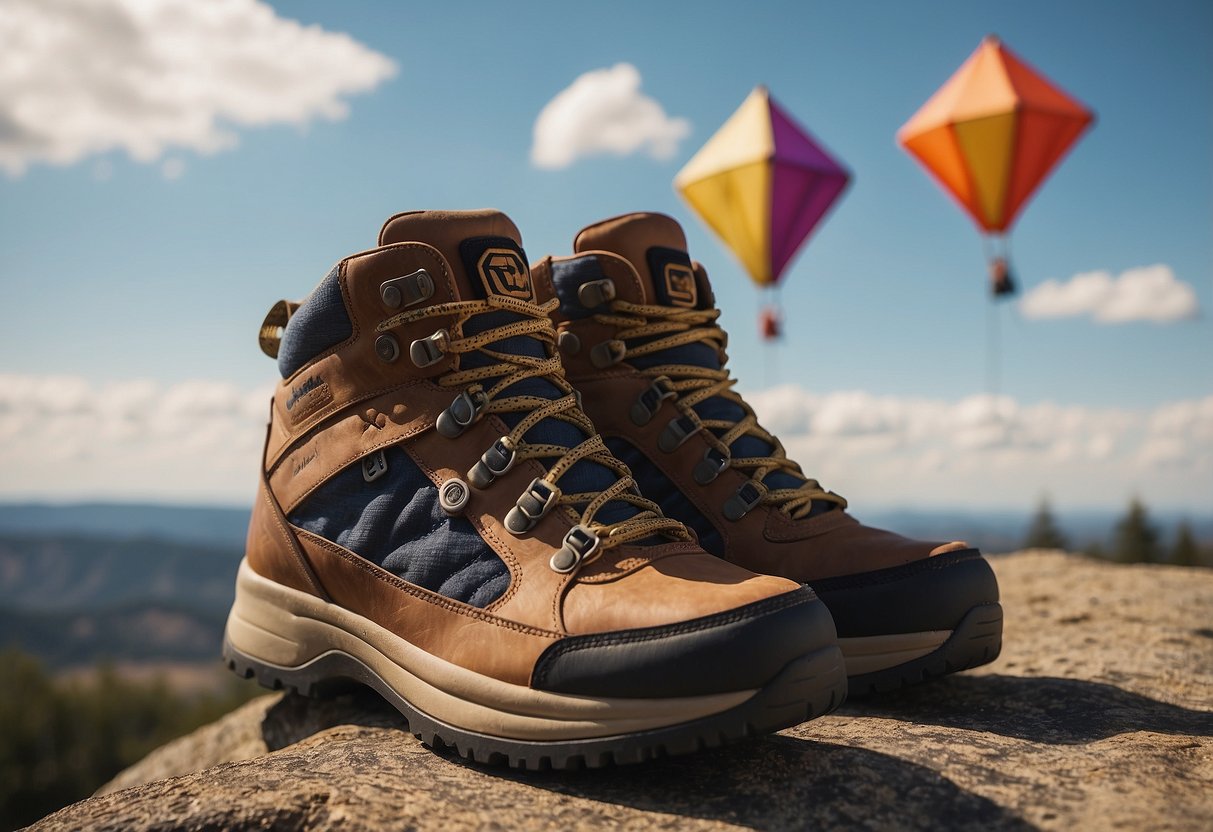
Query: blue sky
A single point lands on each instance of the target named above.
(114, 272)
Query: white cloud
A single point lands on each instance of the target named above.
(1148, 293)
(983, 451)
(82, 77)
(604, 111)
(63, 437)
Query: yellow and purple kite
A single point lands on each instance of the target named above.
(762, 184)
(990, 136)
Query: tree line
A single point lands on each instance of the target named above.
(1135, 538)
(61, 739)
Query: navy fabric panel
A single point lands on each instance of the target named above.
(717, 407)
(585, 476)
(567, 277)
(320, 323)
(396, 522)
(660, 489)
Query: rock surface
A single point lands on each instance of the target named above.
(1098, 715)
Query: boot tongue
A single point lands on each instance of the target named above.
(483, 248)
(657, 248)
(484, 251)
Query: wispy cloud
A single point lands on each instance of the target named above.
(604, 112)
(79, 77)
(993, 451)
(63, 437)
(1148, 293)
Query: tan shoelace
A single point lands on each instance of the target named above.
(694, 384)
(513, 368)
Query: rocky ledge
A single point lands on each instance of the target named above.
(1098, 715)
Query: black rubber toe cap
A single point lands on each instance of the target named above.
(741, 649)
(929, 594)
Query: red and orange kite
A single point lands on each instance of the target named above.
(991, 135)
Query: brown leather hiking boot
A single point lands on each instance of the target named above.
(438, 519)
(637, 329)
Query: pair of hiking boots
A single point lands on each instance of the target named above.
(525, 505)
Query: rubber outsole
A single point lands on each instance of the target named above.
(807, 687)
(975, 641)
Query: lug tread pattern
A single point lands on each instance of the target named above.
(977, 640)
(808, 687)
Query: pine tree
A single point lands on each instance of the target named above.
(1136, 537)
(1044, 533)
(1185, 551)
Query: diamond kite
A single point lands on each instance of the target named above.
(762, 183)
(990, 136)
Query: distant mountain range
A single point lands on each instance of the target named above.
(73, 598)
(224, 527)
(142, 633)
(993, 531)
(148, 583)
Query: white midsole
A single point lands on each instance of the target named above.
(868, 654)
(280, 626)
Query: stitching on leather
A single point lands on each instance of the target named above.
(313, 431)
(338, 467)
(421, 593)
(320, 396)
(806, 528)
(504, 552)
(292, 544)
(336, 407)
(638, 561)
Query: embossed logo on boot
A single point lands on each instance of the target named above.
(680, 285)
(504, 273)
(309, 396)
(297, 393)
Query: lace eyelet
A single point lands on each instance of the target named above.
(648, 402)
(428, 351)
(746, 497)
(495, 462)
(532, 506)
(568, 343)
(675, 433)
(710, 467)
(579, 544)
(453, 496)
(607, 353)
(466, 409)
(387, 348)
(408, 290)
(374, 466)
(595, 293)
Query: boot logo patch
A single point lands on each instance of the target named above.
(309, 396)
(297, 393)
(504, 273)
(680, 285)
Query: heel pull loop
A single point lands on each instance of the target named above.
(274, 325)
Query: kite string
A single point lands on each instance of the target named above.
(768, 298)
(990, 249)
(993, 352)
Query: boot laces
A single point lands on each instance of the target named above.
(534, 321)
(648, 330)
